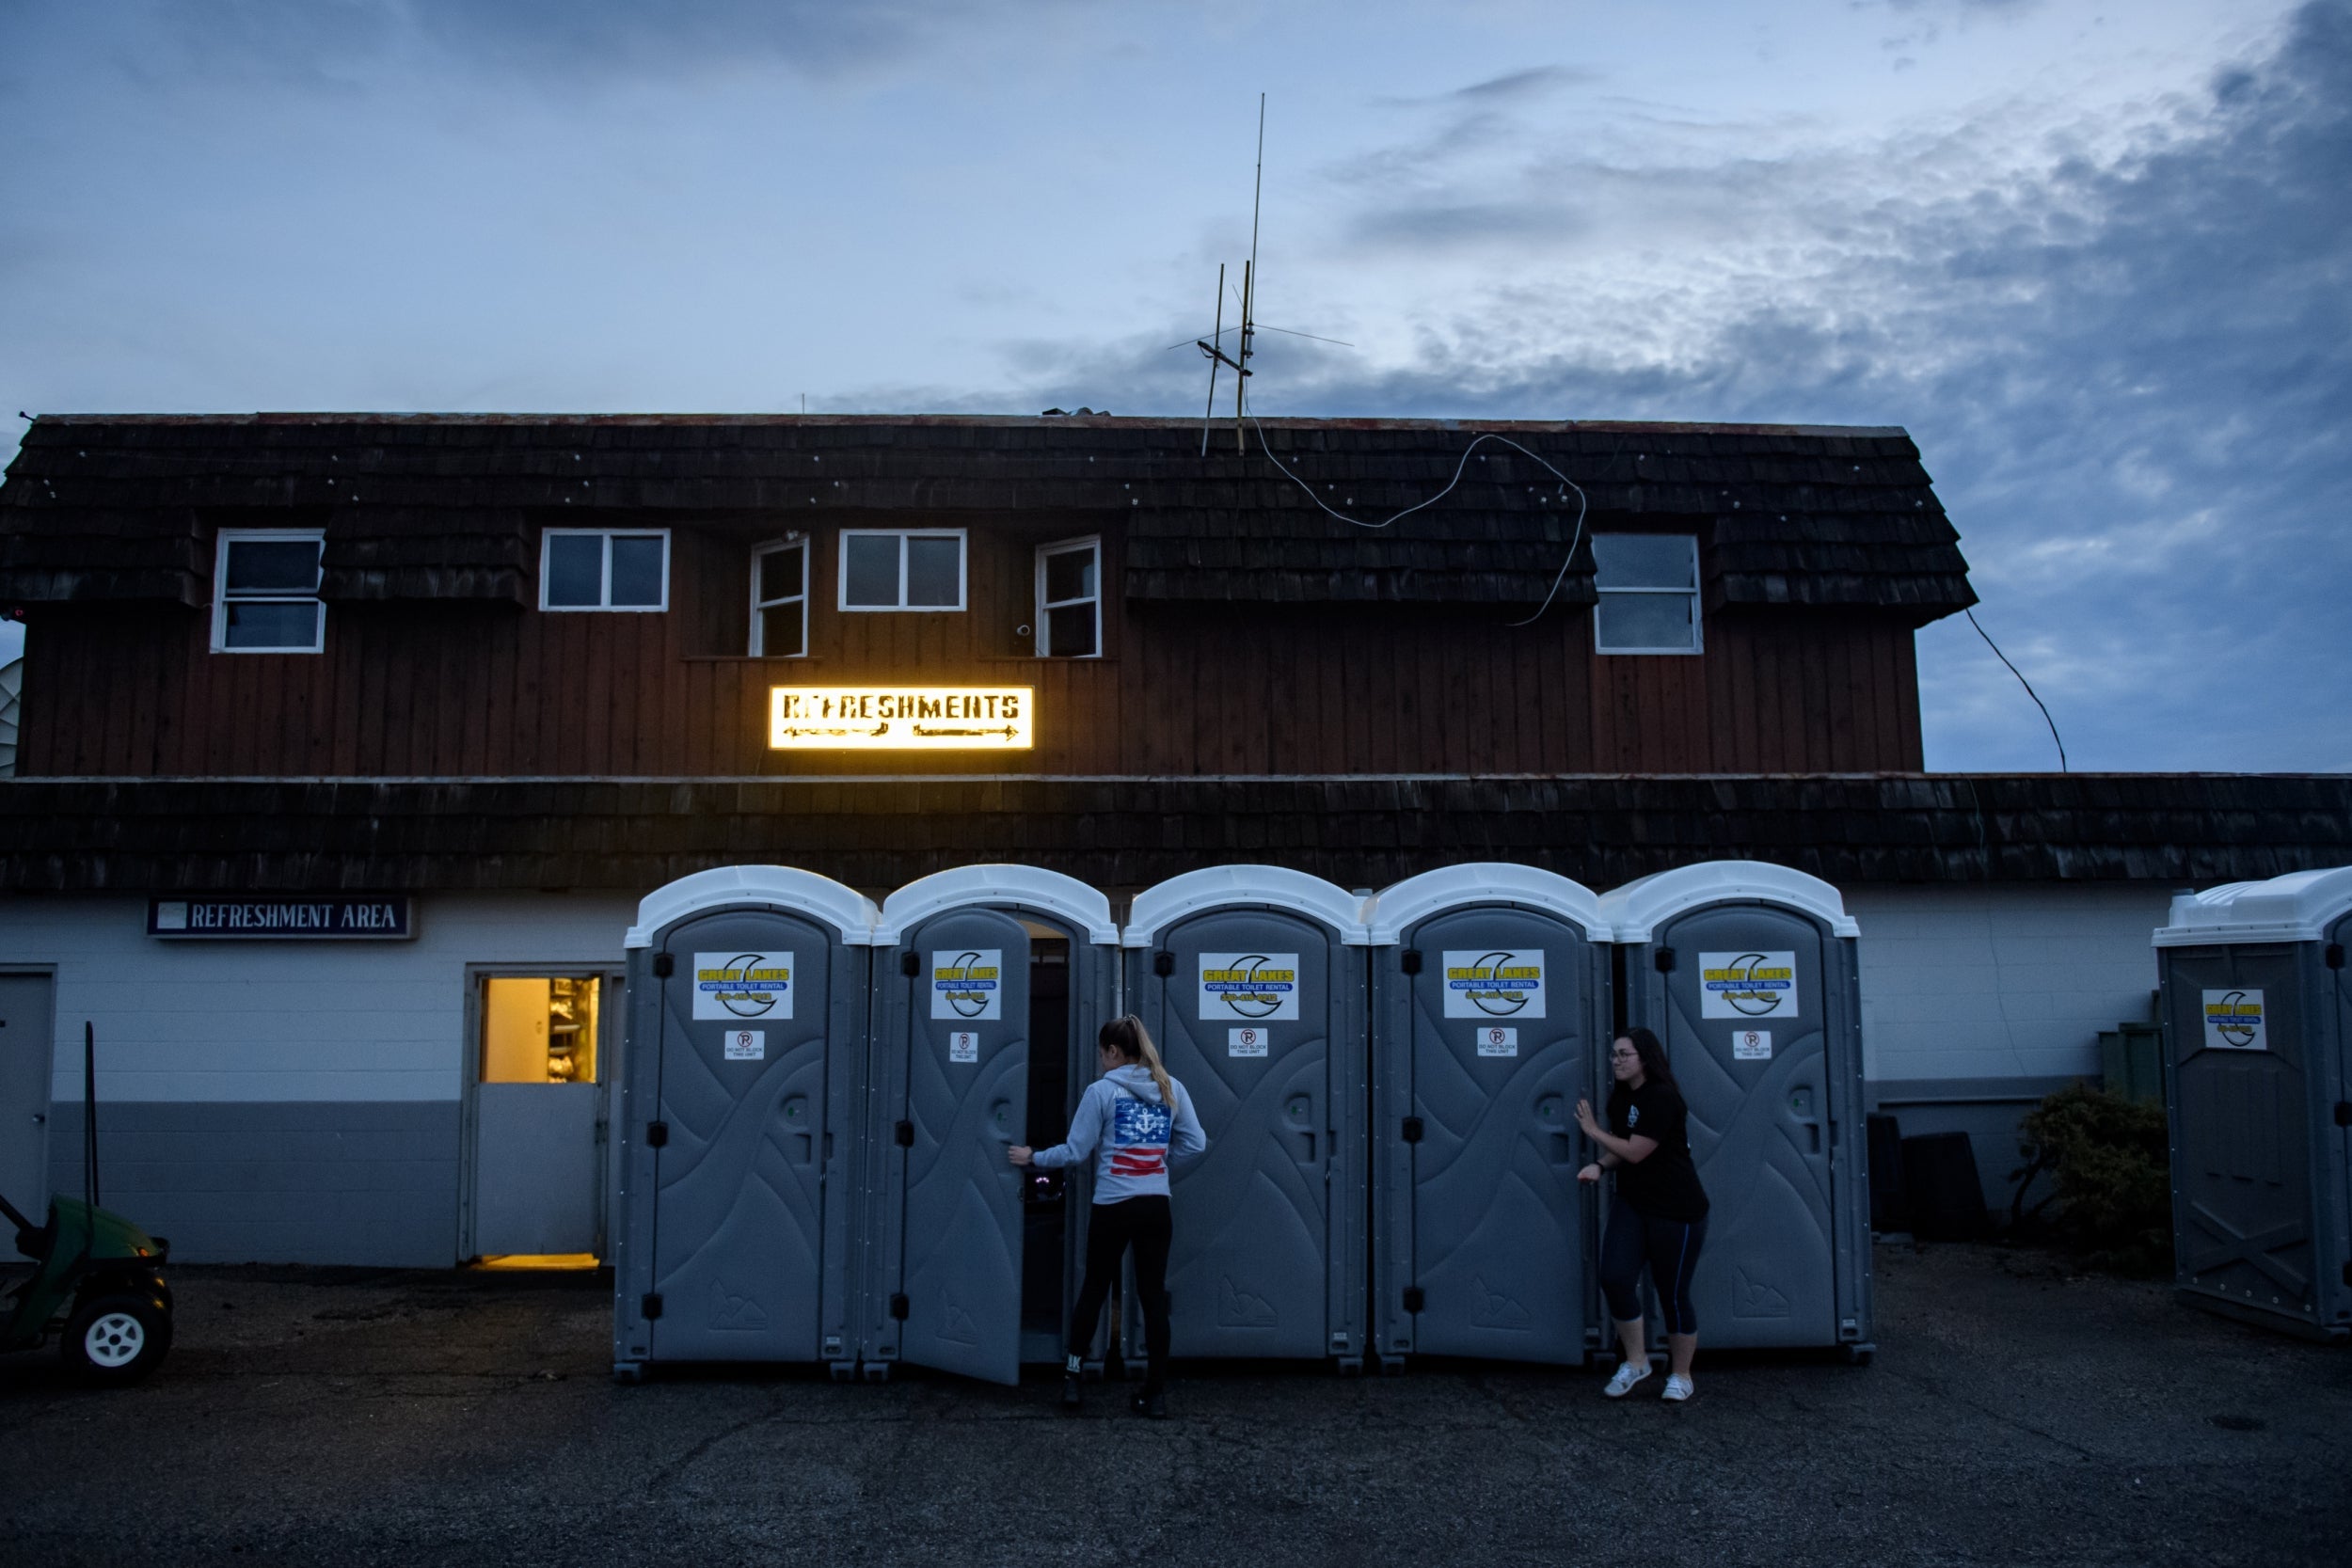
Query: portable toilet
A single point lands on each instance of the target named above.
(1749, 975)
(1251, 980)
(991, 983)
(738, 1123)
(2258, 1090)
(1491, 986)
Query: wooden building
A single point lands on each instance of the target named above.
(507, 674)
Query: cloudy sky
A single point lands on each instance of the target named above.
(2093, 255)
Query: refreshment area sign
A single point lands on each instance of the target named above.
(327, 917)
(900, 718)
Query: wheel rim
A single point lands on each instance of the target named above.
(114, 1339)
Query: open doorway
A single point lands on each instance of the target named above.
(540, 1050)
(1046, 1242)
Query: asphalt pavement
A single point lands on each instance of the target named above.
(2017, 1412)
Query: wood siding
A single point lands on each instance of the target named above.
(485, 691)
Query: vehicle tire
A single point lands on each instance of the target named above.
(114, 1340)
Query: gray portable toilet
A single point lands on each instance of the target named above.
(2258, 1089)
(738, 1123)
(1251, 980)
(991, 983)
(1749, 974)
(1490, 985)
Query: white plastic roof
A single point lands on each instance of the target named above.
(1157, 908)
(1636, 909)
(2297, 907)
(1398, 905)
(844, 909)
(1050, 891)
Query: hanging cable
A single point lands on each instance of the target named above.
(1575, 540)
(2022, 681)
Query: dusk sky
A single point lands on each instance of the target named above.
(2096, 257)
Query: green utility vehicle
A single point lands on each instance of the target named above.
(101, 1279)
(96, 1277)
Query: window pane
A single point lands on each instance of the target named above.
(575, 568)
(637, 568)
(1070, 633)
(1647, 621)
(934, 571)
(1643, 561)
(272, 623)
(266, 565)
(872, 568)
(780, 574)
(1069, 575)
(780, 630)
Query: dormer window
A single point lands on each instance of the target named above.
(1650, 594)
(917, 569)
(265, 592)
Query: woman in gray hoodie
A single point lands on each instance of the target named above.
(1129, 1121)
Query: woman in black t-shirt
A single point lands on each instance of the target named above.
(1658, 1215)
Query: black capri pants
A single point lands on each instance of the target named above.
(1669, 1248)
(1145, 1224)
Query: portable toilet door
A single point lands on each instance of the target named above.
(747, 995)
(1748, 972)
(1490, 985)
(991, 983)
(2258, 1096)
(1251, 980)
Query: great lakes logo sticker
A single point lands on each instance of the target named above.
(1252, 987)
(1494, 983)
(968, 982)
(2233, 1021)
(743, 984)
(1748, 985)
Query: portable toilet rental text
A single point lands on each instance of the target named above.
(2258, 1088)
(740, 1083)
(991, 983)
(1251, 980)
(1749, 975)
(1490, 985)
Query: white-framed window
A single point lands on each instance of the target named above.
(265, 592)
(886, 569)
(601, 568)
(1650, 594)
(780, 600)
(1070, 599)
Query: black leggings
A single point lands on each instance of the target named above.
(1669, 1248)
(1143, 1223)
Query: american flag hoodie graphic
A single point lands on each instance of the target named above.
(1131, 1136)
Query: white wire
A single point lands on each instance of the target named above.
(1583, 505)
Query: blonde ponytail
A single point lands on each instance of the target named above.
(1134, 1042)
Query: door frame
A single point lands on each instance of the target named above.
(609, 1034)
(39, 1203)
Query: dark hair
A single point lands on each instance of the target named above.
(1127, 1036)
(1648, 1046)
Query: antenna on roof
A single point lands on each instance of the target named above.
(1215, 348)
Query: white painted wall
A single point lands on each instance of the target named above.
(1999, 982)
(287, 1021)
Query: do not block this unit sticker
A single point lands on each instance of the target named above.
(1491, 983)
(2233, 1021)
(1252, 988)
(1748, 985)
(968, 982)
(743, 984)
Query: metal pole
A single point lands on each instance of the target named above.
(1209, 413)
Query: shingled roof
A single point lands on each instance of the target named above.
(1123, 833)
(443, 506)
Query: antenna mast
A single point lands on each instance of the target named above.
(1215, 348)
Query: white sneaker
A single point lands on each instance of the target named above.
(1629, 1374)
(1677, 1388)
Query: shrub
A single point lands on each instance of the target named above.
(2108, 1162)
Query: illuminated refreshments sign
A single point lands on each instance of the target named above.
(900, 718)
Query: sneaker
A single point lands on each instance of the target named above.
(1069, 1391)
(1154, 1404)
(1629, 1374)
(1677, 1388)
